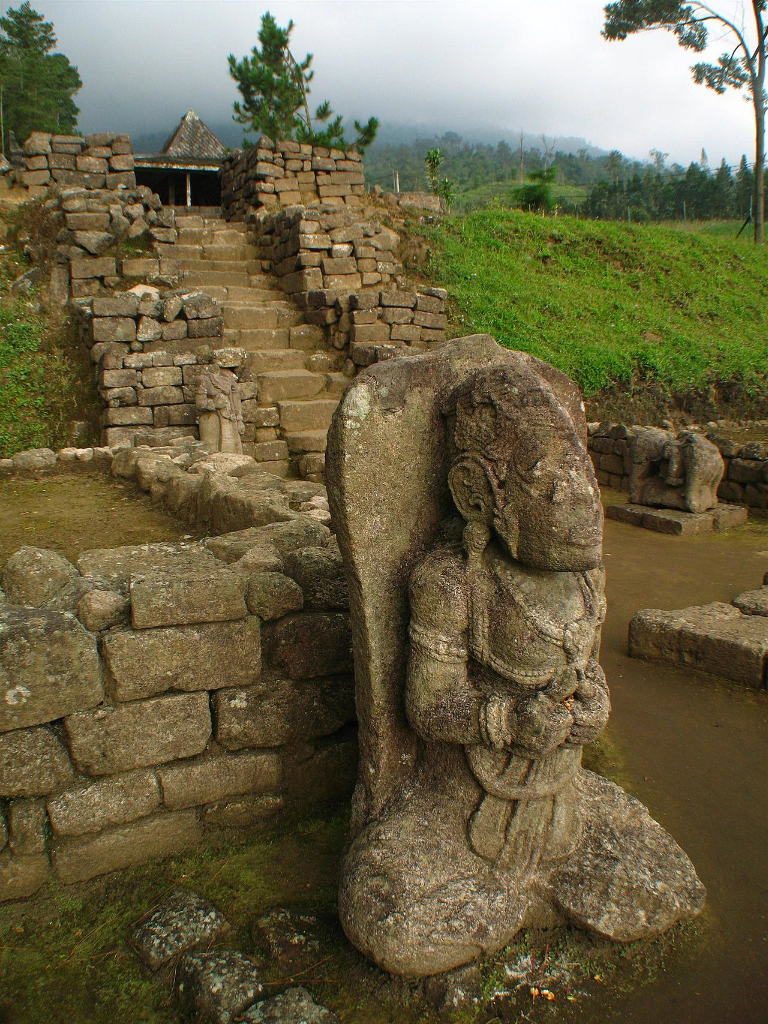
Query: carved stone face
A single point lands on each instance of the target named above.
(523, 471)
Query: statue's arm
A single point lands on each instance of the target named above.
(440, 701)
(203, 400)
(591, 704)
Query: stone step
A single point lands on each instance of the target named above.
(271, 359)
(253, 340)
(209, 253)
(278, 385)
(288, 314)
(246, 318)
(221, 266)
(302, 441)
(313, 414)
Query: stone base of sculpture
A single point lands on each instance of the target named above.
(469, 519)
(676, 523)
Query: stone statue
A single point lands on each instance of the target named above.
(470, 523)
(220, 419)
(674, 470)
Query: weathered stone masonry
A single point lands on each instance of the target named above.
(124, 732)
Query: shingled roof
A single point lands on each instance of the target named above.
(194, 140)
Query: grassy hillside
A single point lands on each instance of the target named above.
(45, 380)
(617, 307)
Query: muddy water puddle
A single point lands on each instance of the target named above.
(695, 750)
(72, 513)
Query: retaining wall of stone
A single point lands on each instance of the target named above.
(274, 174)
(103, 160)
(745, 481)
(155, 693)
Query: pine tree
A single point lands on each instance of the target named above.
(275, 87)
(37, 86)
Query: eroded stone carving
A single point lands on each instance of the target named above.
(476, 646)
(220, 418)
(674, 470)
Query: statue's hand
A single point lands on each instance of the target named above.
(541, 724)
(590, 707)
(220, 402)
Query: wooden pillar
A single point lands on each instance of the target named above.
(189, 189)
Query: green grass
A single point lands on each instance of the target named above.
(608, 303)
(44, 378)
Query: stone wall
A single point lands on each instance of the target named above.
(745, 481)
(100, 161)
(167, 690)
(274, 174)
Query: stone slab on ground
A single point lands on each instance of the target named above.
(149, 662)
(180, 923)
(161, 835)
(681, 524)
(753, 602)
(294, 1006)
(217, 987)
(291, 938)
(118, 739)
(49, 667)
(716, 638)
(117, 564)
(296, 533)
(181, 596)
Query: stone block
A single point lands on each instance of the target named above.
(280, 711)
(34, 576)
(211, 328)
(131, 415)
(715, 638)
(21, 877)
(104, 804)
(126, 378)
(118, 739)
(148, 329)
(176, 330)
(294, 1006)
(377, 333)
(87, 221)
(309, 645)
(32, 178)
(271, 595)
(33, 762)
(202, 657)
(208, 780)
(242, 811)
(85, 269)
(140, 267)
(437, 321)
(218, 985)
(726, 517)
(114, 328)
(160, 376)
(115, 305)
(182, 921)
(160, 835)
(167, 395)
(61, 162)
(101, 609)
(49, 667)
(319, 572)
(310, 415)
(95, 242)
(118, 178)
(307, 337)
(27, 827)
(182, 597)
(37, 143)
(270, 451)
(91, 164)
(121, 162)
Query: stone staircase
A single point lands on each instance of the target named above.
(298, 376)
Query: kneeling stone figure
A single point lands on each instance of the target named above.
(476, 611)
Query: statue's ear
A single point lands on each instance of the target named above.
(472, 490)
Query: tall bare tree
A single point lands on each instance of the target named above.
(743, 66)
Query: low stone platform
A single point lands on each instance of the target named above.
(681, 524)
(729, 640)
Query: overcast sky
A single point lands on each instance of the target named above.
(487, 65)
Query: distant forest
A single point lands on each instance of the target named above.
(589, 183)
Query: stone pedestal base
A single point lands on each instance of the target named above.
(681, 524)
